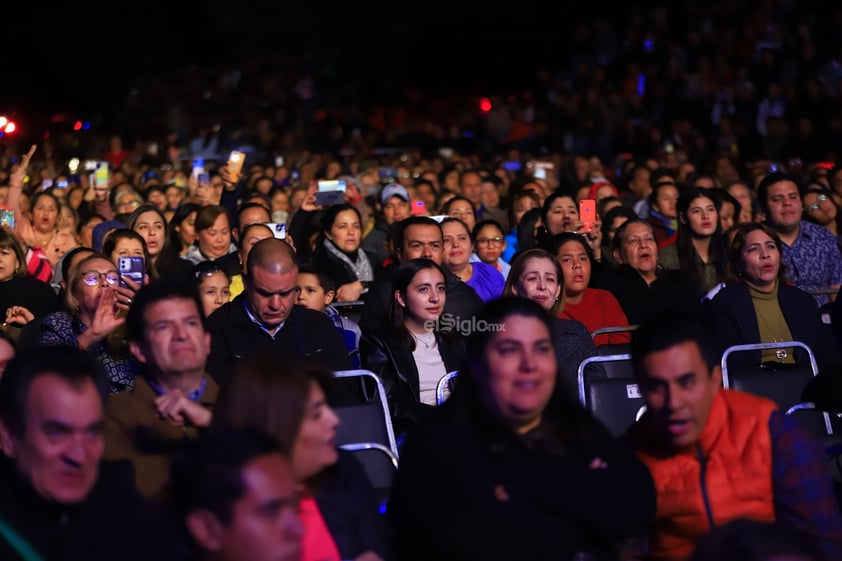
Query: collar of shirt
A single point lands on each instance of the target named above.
(195, 395)
(258, 323)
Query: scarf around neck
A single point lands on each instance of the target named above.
(360, 267)
(671, 224)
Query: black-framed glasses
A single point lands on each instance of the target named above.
(92, 278)
(486, 241)
(815, 205)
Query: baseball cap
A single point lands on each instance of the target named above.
(393, 190)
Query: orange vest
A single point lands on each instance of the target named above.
(727, 475)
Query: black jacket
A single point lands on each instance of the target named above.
(392, 361)
(462, 301)
(305, 333)
(113, 522)
(733, 321)
(671, 290)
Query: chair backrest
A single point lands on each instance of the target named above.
(613, 349)
(818, 422)
(367, 420)
(445, 386)
(783, 384)
(365, 428)
(616, 402)
(350, 310)
(615, 366)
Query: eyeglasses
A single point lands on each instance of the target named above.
(129, 204)
(815, 205)
(486, 241)
(92, 278)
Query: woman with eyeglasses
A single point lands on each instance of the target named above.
(485, 279)
(95, 309)
(213, 284)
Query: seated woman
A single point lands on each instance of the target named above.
(27, 297)
(536, 275)
(213, 243)
(97, 307)
(149, 221)
(499, 473)
(593, 307)
(485, 279)
(756, 305)
(418, 349)
(287, 399)
(700, 250)
(339, 254)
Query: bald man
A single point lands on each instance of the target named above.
(264, 318)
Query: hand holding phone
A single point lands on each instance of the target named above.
(235, 165)
(330, 193)
(587, 214)
(132, 267)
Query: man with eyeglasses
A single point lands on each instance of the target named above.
(265, 317)
(811, 257)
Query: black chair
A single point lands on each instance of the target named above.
(365, 428)
(823, 424)
(615, 365)
(616, 400)
(783, 383)
(350, 310)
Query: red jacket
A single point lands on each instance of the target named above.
(727, 475)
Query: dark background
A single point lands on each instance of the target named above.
(77, 57)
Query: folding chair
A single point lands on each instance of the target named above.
(782, 385)
(817, 421)
(612, 348)
(616, 401)
(445, 386)
(615, 365)
(350, 310)
(365, 428)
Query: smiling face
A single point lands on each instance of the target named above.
(423, 300)
(701, 217)
(314, 448)
(576, 268)
(761, 260)
(521, 371)
(563, 213)
(346, 232)
(539, 282)
(785, 206)
(678, 388)
(457, 244)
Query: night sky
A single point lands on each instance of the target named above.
(73, 57)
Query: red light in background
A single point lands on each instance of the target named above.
(77, 125)
(10, 127)
(485, 105)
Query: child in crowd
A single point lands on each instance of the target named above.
(317, 291)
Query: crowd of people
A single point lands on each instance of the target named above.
(175, 305)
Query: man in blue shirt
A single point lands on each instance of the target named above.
(811, 257)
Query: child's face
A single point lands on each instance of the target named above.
(311, 294)
(490, 244)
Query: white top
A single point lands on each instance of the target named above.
(430, 366)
